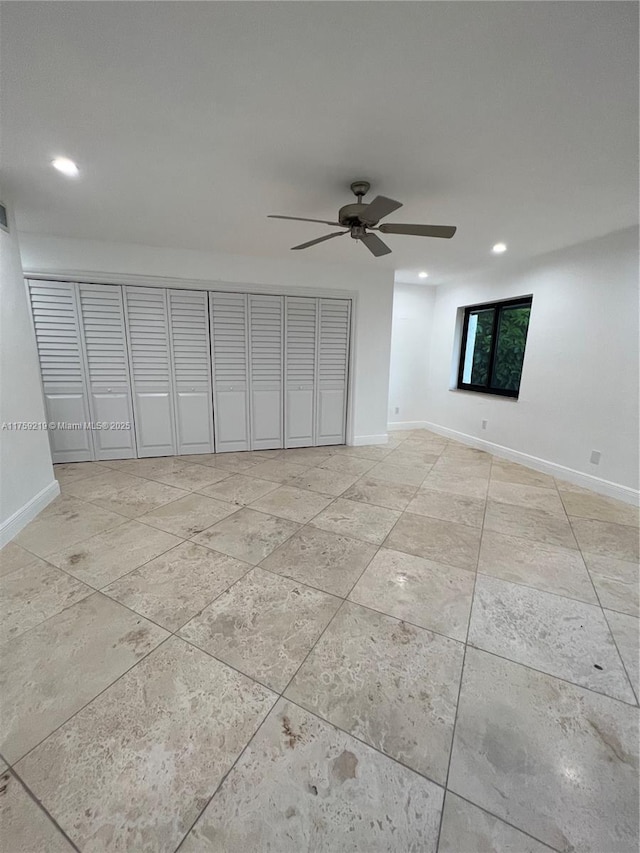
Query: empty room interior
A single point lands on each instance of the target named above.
(319, 387)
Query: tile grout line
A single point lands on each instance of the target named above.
(42, 808)
(462, 668)
(602, 609)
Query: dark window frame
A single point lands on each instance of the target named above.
(497, 307)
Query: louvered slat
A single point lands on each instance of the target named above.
(57, 331)
(300, 370)
(230, 370)
(150, 360)
(189, 321)
(106, 358)
(229, 337)
(333, 362)
(266, 349)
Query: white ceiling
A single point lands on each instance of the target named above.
(192, 121)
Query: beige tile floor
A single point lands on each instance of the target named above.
(401, 649)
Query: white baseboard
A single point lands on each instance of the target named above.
(400, 425)
(14, 524)
(570, 475)
(359, 440)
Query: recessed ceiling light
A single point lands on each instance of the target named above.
(66, 166)
(423, 274)
(499, 248)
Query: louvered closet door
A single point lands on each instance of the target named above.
(149, 351)
(300, 370)
(333, 361)
(266, 339)
(189, 319)
(55, 318)
(229, 346)
(105, 346)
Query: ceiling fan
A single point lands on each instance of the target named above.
(360, 220)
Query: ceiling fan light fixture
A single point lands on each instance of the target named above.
(499, 248)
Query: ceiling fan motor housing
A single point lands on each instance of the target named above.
(350, 214)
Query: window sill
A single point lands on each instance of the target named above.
(484, 394)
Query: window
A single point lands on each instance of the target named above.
(493, 342)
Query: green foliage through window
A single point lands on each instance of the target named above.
(493, 346)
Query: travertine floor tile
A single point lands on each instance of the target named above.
(386, 682)
(528, 523)
(29, 596)
(448, 507)
(397, 474)
(239, 489)
(189, 515)
(278, 470)
(468, 829)
(63, 523)
(325, 480)
(535, 497)
(380, 493)
(626, 633)
(408, 458)
(442, 541)
(168, 732)
(566, 638)
(456, 483)
(585, 504)
(247, 535)
(24, 827)
(51, 671)
(14, 557)
(556, 760)
(171, 589)
(303, 785)
(509, 472)
(376, 452)
(321, 559)
(295, 504)
(362, 521)
(423, 592)
(70, 472)
(620, 541)
(347, 464)
(546, 567)
(264, 626)
(109, 555)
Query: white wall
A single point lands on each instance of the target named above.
(372, 285)
(579, 389)
(27, 483)
(413, 307)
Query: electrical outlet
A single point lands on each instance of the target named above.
(397, 410)
(595, 457)
(484, 424)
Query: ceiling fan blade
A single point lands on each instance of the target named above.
(419, 230)
(381, 206)
(319, 240)
(300, 219)
(375, 245)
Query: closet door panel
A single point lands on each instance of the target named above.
(229, 348)
(333, 364)
(189, 318)
(57, 331)
(150, 357)
(266, 339)
(106, 358)
(300, 370)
